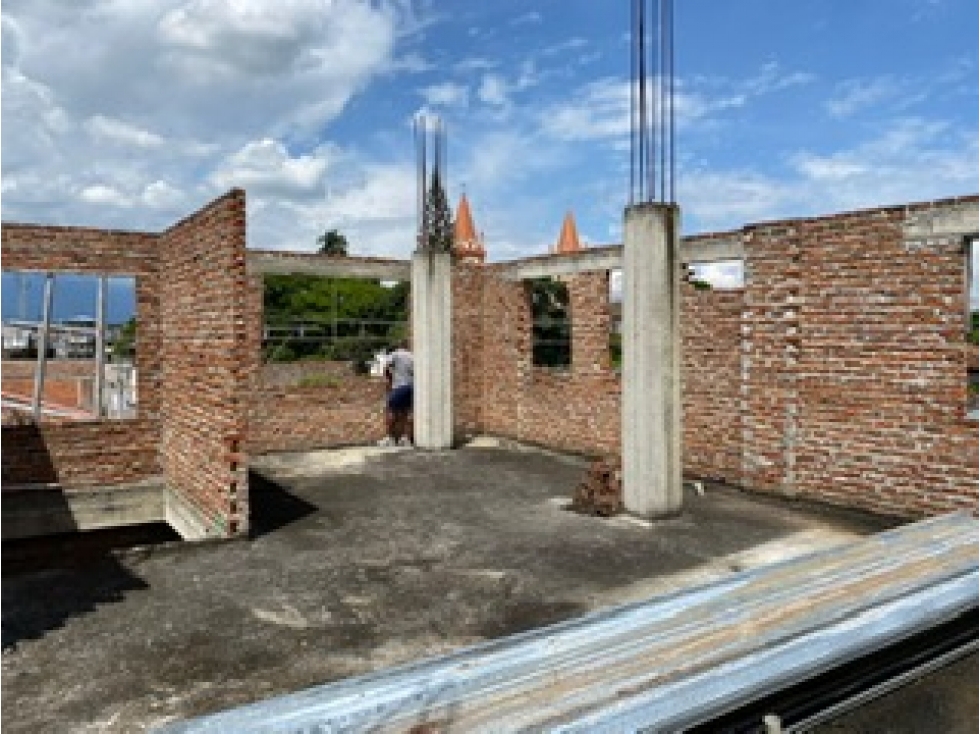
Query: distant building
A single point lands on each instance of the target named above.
(17, 340)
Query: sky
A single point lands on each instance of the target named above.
(784, 109)
(73, 296)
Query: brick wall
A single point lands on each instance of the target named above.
(98, 452)
(347, 411)
(710, 323)
(81, 454)
(283, 415)
(78, 250)
(838, 373)
(880, 378)
(468, 361)
(208, 362)
(574, 409)
(579, 409)
(67, 382)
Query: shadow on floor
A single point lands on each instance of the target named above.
(42, 585)
(272, 506)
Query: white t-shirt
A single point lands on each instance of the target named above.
(402, 366)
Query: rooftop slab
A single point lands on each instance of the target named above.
(362, 559)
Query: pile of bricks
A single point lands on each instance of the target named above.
(600, 493)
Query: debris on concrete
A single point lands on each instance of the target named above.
(600, 493)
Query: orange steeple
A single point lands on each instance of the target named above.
(466, 245)
(568, 241)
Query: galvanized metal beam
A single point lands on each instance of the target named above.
(665, 663)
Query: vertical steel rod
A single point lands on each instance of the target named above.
(100, 345)
(632, 101)
(42, 346)
(672, 100)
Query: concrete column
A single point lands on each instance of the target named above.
(652, 481)
(431, 324)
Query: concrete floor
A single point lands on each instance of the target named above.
(362, 559)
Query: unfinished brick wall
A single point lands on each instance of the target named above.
(579, 409)
(285, 415)
(67, 382)
(468, 366)
(76, 455)
(838, 373)
(572, 410)
(710, 323)
(209, 361)
(296, 418)
(880, 379)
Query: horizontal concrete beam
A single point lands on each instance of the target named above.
(610, 258)
(589, 260)
(31, 511)
(264, 262)
(712, 250)
(958, 220)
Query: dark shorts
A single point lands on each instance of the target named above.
(401, 398)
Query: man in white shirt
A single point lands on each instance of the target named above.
(400, 373)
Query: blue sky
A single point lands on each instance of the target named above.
(73, 296)
(784, 109)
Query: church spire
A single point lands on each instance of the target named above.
(568, 241)
(467, 246)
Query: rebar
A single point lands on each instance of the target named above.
(652, 115)
(429, 133)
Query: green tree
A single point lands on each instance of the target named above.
(438, 217)
(332, 242)
(125, 343)
(550, 313)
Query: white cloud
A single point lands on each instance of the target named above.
(113, 130)
(104, 195)
(167, 103)
(447, 94)
(265, 166)
(600, 110)
(909, 160)
(530, 18)
(572, 44)
(831, 168)
(474, 63)
(411, 62)
(721, 275)
(721, 199)
(855, 95)
(493, 90)
(161, 195)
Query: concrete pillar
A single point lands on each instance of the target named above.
(652, 480)
(431, 325)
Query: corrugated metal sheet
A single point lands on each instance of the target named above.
(664, 663)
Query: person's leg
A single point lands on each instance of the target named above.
(398, 402)
(410, 415)
(390, 418)
(401, 426)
